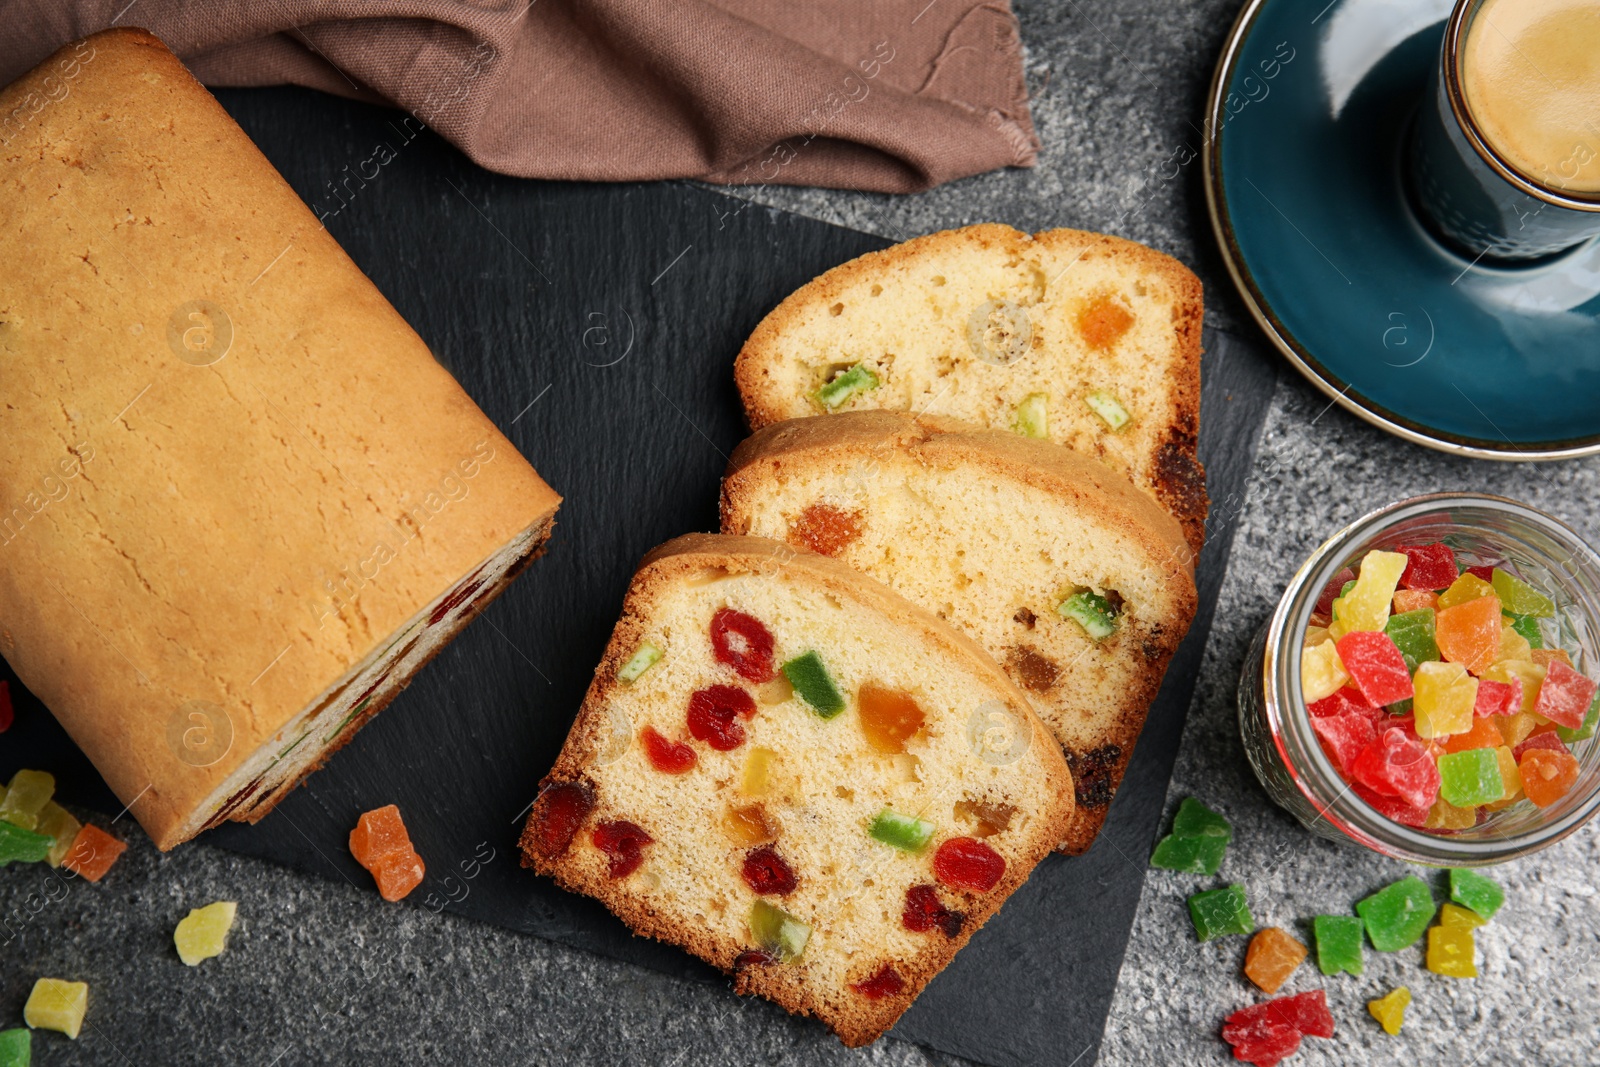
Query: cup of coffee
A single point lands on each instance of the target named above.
(1504, 164)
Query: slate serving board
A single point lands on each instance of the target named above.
(596, 325)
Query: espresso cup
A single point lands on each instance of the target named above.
(1504, 163)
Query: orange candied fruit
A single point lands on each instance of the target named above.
(381, 844)
(1414, 599)
(1483, 734)
(1547, 775)
(1103, 321)
(889, 717)
(92, 853)
(1272, 957)
(825, 529)
(1469, 633)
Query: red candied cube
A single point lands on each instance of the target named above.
(1483, 570)
(1565, 696)
(1333, 589)
(1306, 1012)
(1543, 738)
(1392, 807)
(1396, 766)
(1344, 737)
(1498, 698)
(1258, 1038)
(1345, 701)
(1376, 666)
(1430, 567)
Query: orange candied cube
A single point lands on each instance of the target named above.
(92, 853)
(1515, 729)
(381, 844)
(1543, 656)
(1469, 633)
(1482, 735)
(1547, 774)
(1414, 599)
(398, 875)
(1271, 958)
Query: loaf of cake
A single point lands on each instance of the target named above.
(1085, 340)
(240, 502)
(800, 777)
(1076, 582)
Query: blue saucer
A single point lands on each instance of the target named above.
(1308, 114)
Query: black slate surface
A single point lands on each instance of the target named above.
(596, 325)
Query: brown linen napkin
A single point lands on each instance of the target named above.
(891, 95)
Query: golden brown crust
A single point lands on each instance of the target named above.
(863, 1021)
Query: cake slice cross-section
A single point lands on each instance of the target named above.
(798, 776)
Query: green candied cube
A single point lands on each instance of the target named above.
(1585, 730)
(1218, 912)
(1192, 855)
(1033, 416)
(858, 379)
(1412, 634)
(1470, 778)
(1528, 627)
(1338, 943)
(811, 680)
(778, 932)
(1401, 707)
(644, 657)
(1520, 598)
(1109, 408)
(23, 846)
(16, 1047)
(905, 832)
(1397, 915)
(1194, 819)
(1472, 890)
(26, 796)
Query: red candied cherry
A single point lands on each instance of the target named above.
(754, 957)
(558, 813)
(767, 872)
(668, 757)
(967, 863)
(623, 843)
(740, 641)
(712, 713)
(924, 911)
(886, 983)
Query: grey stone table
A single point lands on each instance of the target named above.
(317, 974)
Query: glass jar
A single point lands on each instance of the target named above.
(1276, 727)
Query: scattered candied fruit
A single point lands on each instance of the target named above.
(714, 713)
(1450, 952)
(1265, 1033)
(558, 813)
(1476, 891)
(1397, 915)
(885, 982)
(889, 717)
(1272, 957)
(1218, 912)
(825, 529)
(743, 643)
(57, 1005)
(967, 863)
(1390, 1009)
(16, 1045)
(25, 797)
(92, 853)
(623, 843)
(381, 844)
(203, 933)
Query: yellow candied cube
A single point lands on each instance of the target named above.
(1446, 816)
(1316, 635)
(1514, 729)
(1390, 1009)
(1529, 673)
(57, 822)
(1467, 587)
(1367, 605)
(1510, 776)
(1513, 646)
(1445, 693)
(1322, 674)
(55, 1004)
(1450, 952)
(203, 933)
(1455, 917)
(758, 772)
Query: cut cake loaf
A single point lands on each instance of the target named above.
(800, 777)
(240, 502)
(1004, 537)
(1091, 341)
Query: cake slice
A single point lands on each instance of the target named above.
(1071, 578)
(800, 777)
(1087, 340)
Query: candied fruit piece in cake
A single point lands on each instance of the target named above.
(1390, 1009)
(811, 680)
(1397, 914)
(743, 643)
(203, 933)
(623, 843)
(1271, 958)
(92, 853)
(56, 1004)
(825, 528)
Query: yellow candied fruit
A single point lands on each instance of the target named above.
(1316, 635)
(1446, 816)
(1450, 952)
(1390, 1009)
(1455, 917)
(203, 933)
(58, 823)
(757, 779)
(1467, 587)
(1337, 628)
(1514, 729)
(56, 1004)
(1366, 607)
(1530, 674)
(1321, 672)
(1445, 693)
(1513, 645)
(1510, 776)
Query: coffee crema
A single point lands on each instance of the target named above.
(1530, 72)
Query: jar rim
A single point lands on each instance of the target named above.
(1301, 753)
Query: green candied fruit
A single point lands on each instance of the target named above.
(1217, 912)
(1520, 598)
(811, 680)
(1194, 819)
(1397, 915)
(1528, 627)
(1470, 778)
(1472, 890)
(1338, 943)
(1033, 418)
(1412, 633)
(16, 1047)
(644, 657)
(778, 932)
(26, 797)
(1108, 408)
(1399, 707)
(23, 846)
(858, 379)
(1091, 611)
(1585, 730)
(1191, 855)
(905, 832)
